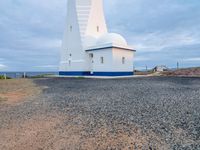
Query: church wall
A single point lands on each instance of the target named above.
(118, 65)
(106, 66)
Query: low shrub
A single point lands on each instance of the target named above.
(2, 99)
(40, 76)
(2, 77)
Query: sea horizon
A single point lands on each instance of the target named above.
(19, 74)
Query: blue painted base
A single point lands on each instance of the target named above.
(86, 73)
(74, 73)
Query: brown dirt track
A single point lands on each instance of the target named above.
(15, 91)
(190, 72)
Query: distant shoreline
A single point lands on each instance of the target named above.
(19, 74)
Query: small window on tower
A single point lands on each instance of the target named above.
(91, 55)
(97, 28)
(123, 60)
(102, 60)
(70, 28)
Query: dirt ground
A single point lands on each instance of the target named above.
(51, 132)
(16, 90)
(190, 72)
(46, 133)
(81, 114)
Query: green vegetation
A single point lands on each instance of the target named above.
(137, 72)
(2, 99)
(40, 76)
(2, 77)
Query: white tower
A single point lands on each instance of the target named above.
(85, 21)
(88, 49)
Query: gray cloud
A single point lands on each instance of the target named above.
(31, 33)
(2, 66)
(163, 32)
(192, 59)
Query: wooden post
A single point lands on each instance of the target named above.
(5, 77)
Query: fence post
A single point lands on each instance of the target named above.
(5, 77)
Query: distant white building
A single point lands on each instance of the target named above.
(160, 68)
(88, 49)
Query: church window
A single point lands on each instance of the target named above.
(70, 28)
(91, 55)
(102, 60)
(123, 60)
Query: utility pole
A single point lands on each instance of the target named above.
(177, 65)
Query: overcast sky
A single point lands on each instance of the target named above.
(162, 31)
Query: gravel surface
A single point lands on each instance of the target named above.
(158, 112)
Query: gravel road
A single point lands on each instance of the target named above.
(153, 112)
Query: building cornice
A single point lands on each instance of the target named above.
(109, 46)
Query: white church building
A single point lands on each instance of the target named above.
(88, 49)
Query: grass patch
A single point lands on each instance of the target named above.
(2, 99)
(40, 76)
(137, 72)
(2, 77)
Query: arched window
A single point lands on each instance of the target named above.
(69, 59)
(70, 28)
(102, 60)
(97, 28)
(123, 60)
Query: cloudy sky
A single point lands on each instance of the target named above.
(162, 32)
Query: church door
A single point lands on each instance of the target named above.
(91, 55)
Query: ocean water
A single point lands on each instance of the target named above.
(28, 74)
